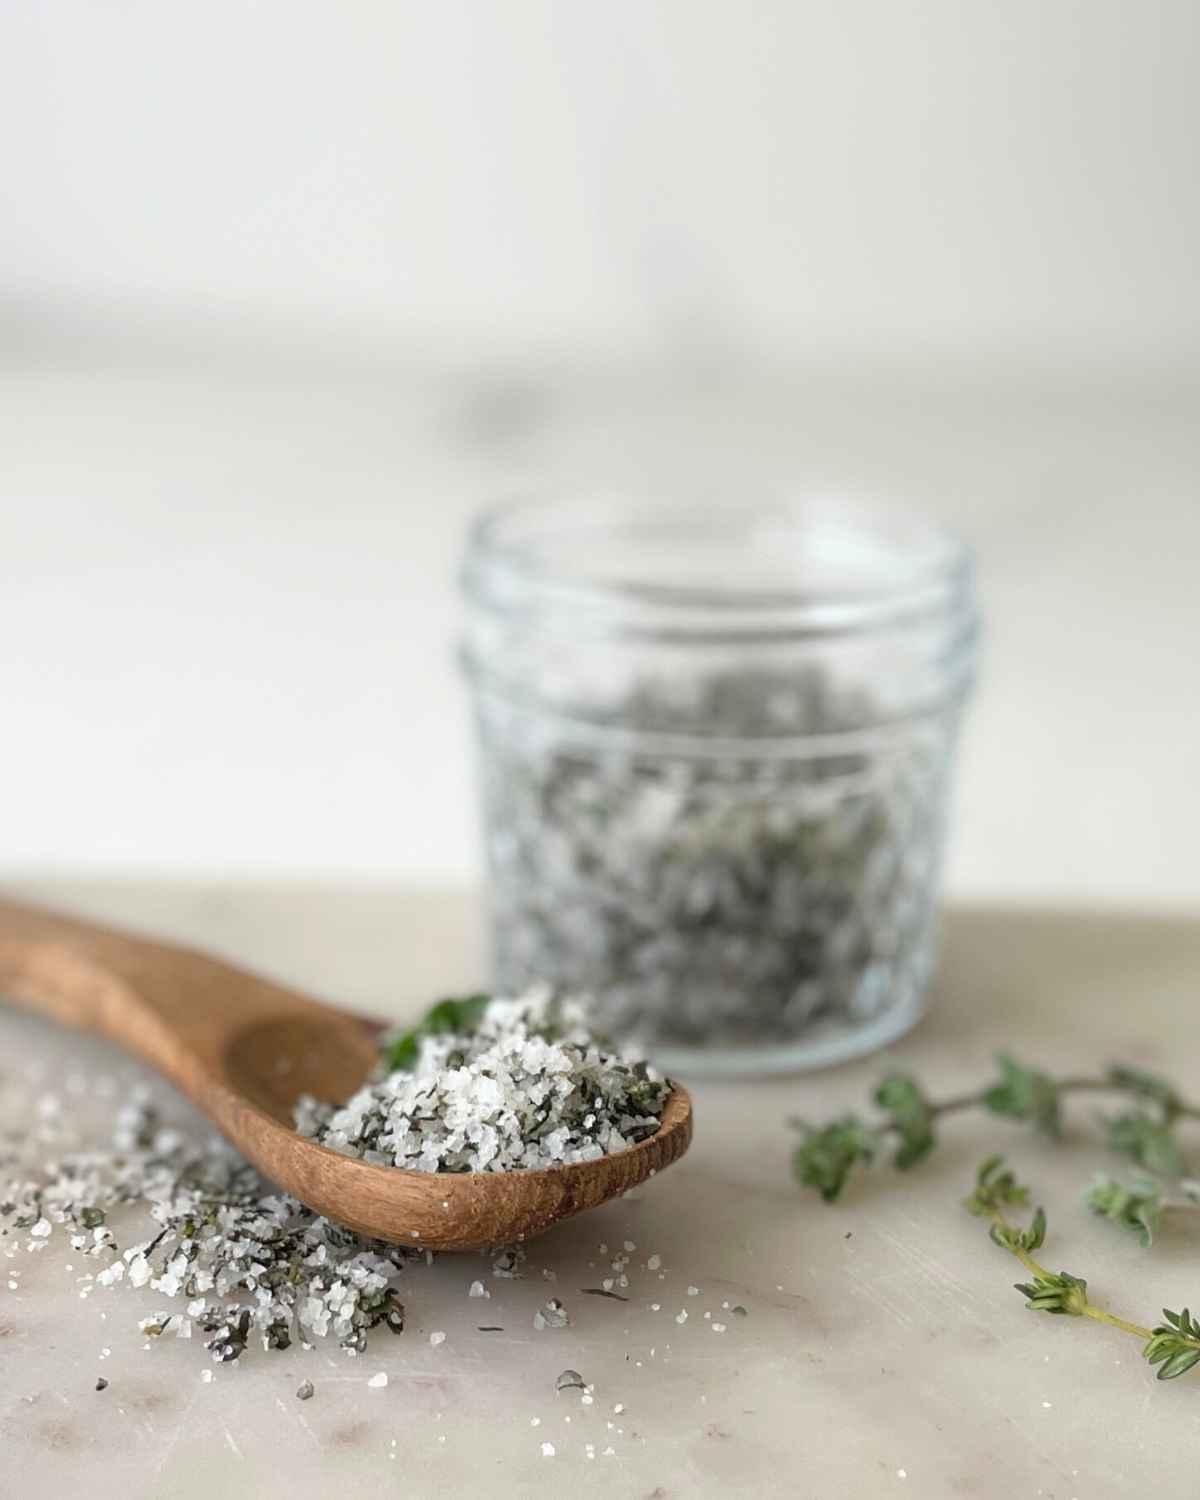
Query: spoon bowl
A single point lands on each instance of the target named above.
(244, 1049)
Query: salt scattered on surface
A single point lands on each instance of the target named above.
(547, 1450)
(477, 1289)
(437, 1338)
(221, 1239)
(377, 1382)
(551, 1314)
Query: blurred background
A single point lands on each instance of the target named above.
(287, 290)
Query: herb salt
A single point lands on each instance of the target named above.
(715, 752)
(522, 1084)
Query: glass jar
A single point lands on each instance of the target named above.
(716, 746)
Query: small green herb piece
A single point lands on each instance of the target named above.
(1025, 1094)
(910, 1116)
(1174, 1345)
(1056, 1292)
(1029, 1240)
(459, 1015)
(995, 1186)
(995, 1189)
(826, 1157)
(1149, 1143)
(1147, 1086)
(1138, 1208)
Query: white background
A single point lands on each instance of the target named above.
(285, 291)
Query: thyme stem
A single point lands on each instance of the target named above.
(1099, 1314)
(1088, 1309)
(978, 1099)
(951, 1106)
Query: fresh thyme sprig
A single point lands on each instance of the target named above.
(828, 1154)
(1174, 1345)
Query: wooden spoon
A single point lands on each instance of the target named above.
(243, 1049)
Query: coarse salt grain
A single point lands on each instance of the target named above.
(436, 1338)
(377, 1382)
(547, 1450)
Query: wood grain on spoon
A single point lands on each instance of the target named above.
(243, 1049)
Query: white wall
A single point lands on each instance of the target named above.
(499, 174)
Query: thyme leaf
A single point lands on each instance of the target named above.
(1137, 1208)
(1025, 1094)
(911, 1118)
(459, 1015)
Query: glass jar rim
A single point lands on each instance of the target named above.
(779, 566)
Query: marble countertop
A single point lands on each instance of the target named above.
(883, 1352)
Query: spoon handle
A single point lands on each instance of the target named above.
(79, 974)
(173, 1007)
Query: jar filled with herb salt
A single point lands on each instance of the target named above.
(716, 750)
